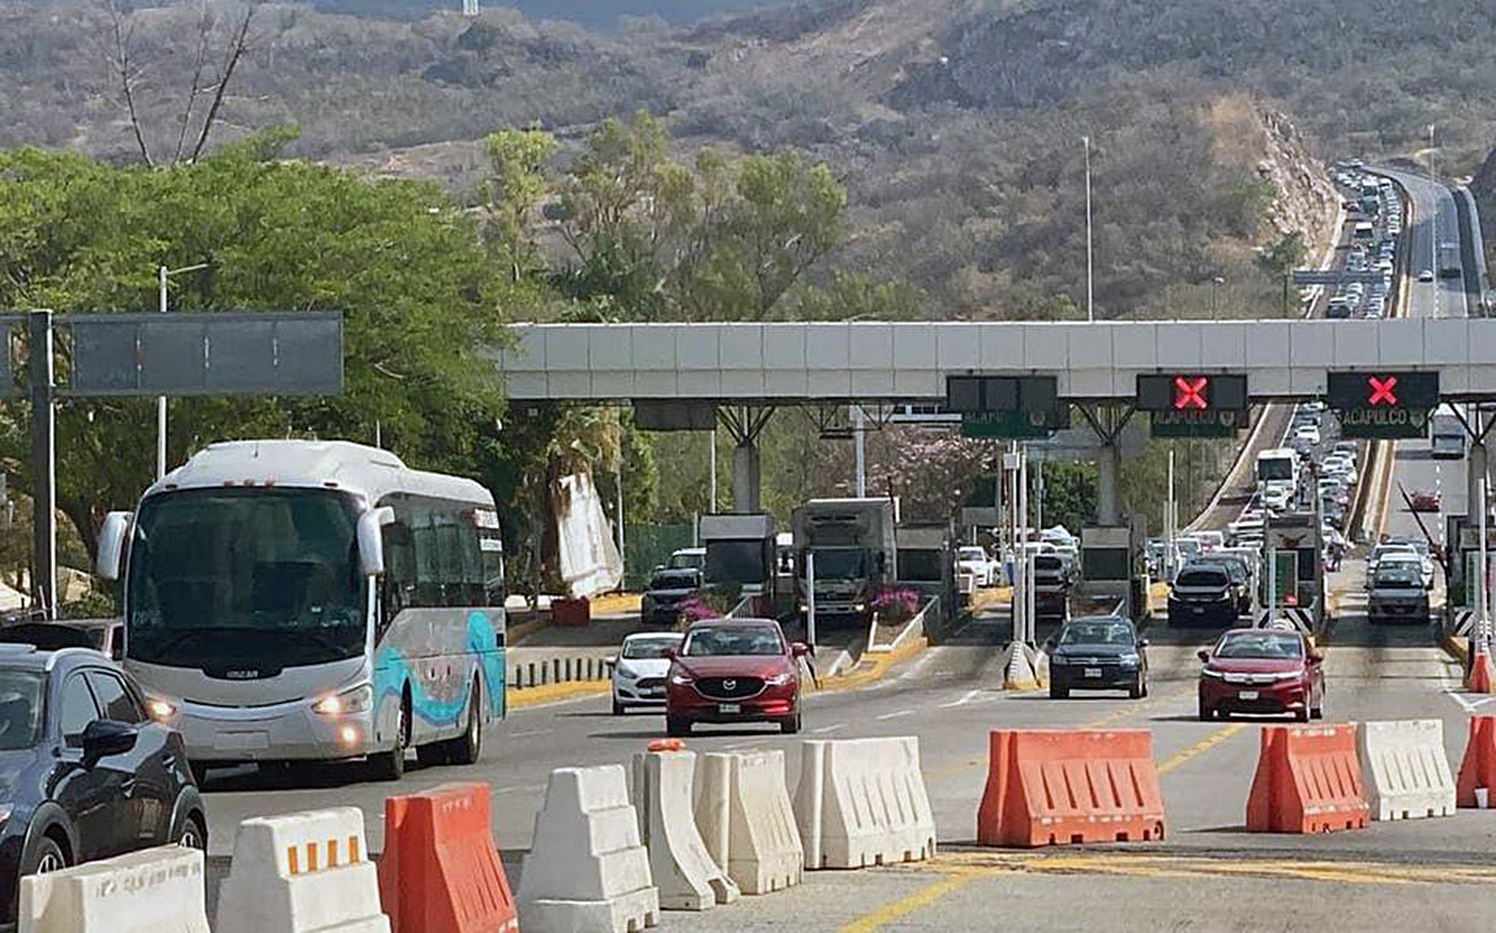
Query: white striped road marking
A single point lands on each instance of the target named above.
(825, 729)
(896, 714)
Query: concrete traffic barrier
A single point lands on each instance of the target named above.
(1070, 786)
(1476, 786)
(152, 891)
(1308, 780)
(300, 873)
(587, 870)
(1404, 770)
(683, 870)
(440, 871)
(863, 802)
(747, 822)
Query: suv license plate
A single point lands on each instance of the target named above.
(1093, 672)
(1248, 695)
(729, 707)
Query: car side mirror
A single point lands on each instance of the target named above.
(371, 539)
(1316, 656)
(105, 737)
(669, 654)
(112, 537)
(800, 649)
(611, 660)
(1142, 642)
(1049, 644)
(1203, 654)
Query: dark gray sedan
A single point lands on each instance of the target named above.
(1098, 653)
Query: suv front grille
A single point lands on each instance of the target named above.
(729, 688)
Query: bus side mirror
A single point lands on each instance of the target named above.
(371, 540)
(112, 545)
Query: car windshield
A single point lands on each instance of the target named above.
(1202, 576)
(20, 709)
(1097, 633)
(648, 649)
(1404, 573)
(839, 563)
(1269, 645)
(674, 580)
(973, 553)
(245, 576)
(732, 641)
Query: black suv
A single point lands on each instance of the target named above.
(86, 773)
(1204, 593)
(668, 591)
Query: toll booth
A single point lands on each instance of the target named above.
(741, 557)
(926, 562)
(1293, 572)
(1462, 571)
(1106, 562)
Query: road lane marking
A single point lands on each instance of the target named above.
(969, 697)
(895, 714)
(824, 729)
(1469, 706)
(515, 790)
(1202, 746)
(981, 864)
(529, 732)
(919, 900)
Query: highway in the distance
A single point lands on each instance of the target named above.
(1209, 874)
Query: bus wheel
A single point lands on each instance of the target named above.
(465, 749)
(390, 765)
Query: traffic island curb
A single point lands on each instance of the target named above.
(555, 693)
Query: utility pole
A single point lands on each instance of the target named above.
(1090, 291)
(859, 430)
(711, 489)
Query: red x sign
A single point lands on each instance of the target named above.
(1381, 391)
(1190, 393)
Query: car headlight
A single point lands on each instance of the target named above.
(1128, 660)
(1059, 659)
(1208, 672)
(682, 680)
(6, 810)
(625, 673)
(358, 700)
(780, 680)
(859, 607)
(1289, 675)
(159, 709)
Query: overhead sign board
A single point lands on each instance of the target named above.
(1383, 405)
(1192, 392)
(1198, 424)
(674, 415)
(1015, 425)
(982, 394)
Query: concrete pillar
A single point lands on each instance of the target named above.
(745, 478)
(1108, 471)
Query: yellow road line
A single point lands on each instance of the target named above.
(1201, 747)
(919, 900)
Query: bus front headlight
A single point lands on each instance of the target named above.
(358, 700)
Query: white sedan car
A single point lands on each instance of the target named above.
(640, 669)
(974, 561)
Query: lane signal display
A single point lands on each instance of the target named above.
(1192, 392)
(1405, 390)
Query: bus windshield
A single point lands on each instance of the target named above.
(1275, 468)
(225, 577)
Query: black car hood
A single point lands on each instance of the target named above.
(1094, 651)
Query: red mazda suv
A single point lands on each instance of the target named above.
(731, 671)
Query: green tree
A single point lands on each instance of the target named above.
(1285, 255)
(408, 271)
(515, 184)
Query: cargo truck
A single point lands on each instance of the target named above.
(855, 555)
(1449, 260)
(739, 555)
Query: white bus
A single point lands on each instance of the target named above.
(1278, 469)
(309, 600)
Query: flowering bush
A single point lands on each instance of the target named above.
(697, 609)
(896, 604)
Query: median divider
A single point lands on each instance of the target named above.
(1070, 786)
(587, 869)
(746, 819)
(1308, 780)
(683, 870)
(440, 871)
(1404, 769)
(300, 873)
(863, 802)
(156, 890)
(1476, 786)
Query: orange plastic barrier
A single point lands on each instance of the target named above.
(1057, 786)
(1478, 768)
(1482, 676)
(1308, 781)
(572, 612)
(440, 872)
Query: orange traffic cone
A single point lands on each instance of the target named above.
(1482, 674)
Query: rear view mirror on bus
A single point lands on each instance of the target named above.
(112, 545)
(371, 540)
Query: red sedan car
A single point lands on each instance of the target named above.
(732, 671)
(1262, 671)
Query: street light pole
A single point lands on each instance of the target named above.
(1090, 293)
(162, 275)
(1215, 283)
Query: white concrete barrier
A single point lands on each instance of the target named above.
(299, 873)
(863, 802)
(746, 820)
(1404, 769)
(152, 891)
(587, 870)
(685, 873)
